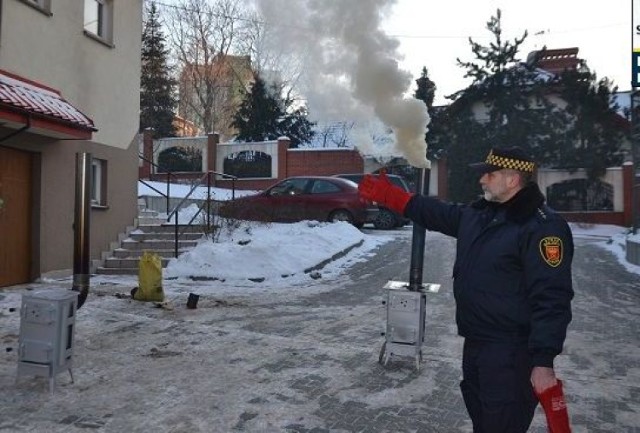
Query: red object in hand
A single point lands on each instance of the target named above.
(555, 408)
(382, 191)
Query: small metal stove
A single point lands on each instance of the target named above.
(406, 311)
(47, 326)
(406, 302)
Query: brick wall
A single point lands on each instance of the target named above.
(296, 162)
(323, 162)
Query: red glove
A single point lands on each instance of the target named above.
(382, 191)
(555, 409)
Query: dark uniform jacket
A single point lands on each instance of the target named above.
(512, 275)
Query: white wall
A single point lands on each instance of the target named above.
(548, 177)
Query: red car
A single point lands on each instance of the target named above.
(319, 198)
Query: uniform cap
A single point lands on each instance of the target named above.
(513, 158)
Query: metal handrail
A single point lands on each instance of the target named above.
(167, 196)
(194, 185)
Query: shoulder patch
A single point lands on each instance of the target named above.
(551, 249)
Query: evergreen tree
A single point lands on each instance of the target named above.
(263, 115)
(595, 133)
(157, 100)
(426, 89)
(516, 112)
(258, 115)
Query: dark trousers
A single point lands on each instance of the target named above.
(496, 386)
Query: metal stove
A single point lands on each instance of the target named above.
(47, 327)
(406, 302)
(406, 314)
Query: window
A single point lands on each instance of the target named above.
(98, 19)
(43, 6)
(324, 187)
(98, 182)
(290, 187)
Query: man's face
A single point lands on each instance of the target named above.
(499, 186)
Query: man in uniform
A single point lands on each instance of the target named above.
(512, 285)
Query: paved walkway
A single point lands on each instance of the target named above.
(305, 358)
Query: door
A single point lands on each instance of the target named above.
(15, 216)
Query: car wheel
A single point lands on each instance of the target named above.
(341, 215)
(385, 220)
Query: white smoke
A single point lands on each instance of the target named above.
(351, 69)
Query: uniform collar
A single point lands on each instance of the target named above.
(521, 206)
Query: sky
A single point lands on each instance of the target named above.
(434, 34)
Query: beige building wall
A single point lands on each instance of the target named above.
(101, 80)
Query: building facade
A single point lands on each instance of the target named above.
(69, 84)
(222, 83)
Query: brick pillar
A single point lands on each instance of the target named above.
(283, 146)
(627, 193)
(144, 171)
(213, 139)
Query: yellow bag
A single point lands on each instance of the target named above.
(149, 278)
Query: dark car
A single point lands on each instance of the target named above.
(386, 219)
(320, 198)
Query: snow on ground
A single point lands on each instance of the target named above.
(614, 239)
(275, 256)
(258, 250)
(264, 257)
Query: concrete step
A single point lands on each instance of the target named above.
(131, 262)
(154, 245)
(169, 228)
(147, 213)
(122, 253)
(150, 220)
(152, 234)
(117, 271)
(141, 236)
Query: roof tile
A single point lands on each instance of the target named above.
(28, 96)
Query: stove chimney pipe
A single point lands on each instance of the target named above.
(81, 227)
(417, 241)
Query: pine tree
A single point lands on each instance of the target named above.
(263, 115)
(596, 132)
(157, 97)
(426, 89)
(516, 111)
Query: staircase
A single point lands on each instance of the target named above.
(152, 234)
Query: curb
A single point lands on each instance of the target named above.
(336, 256)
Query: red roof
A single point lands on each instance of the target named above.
(558, 60)
(43, 105)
